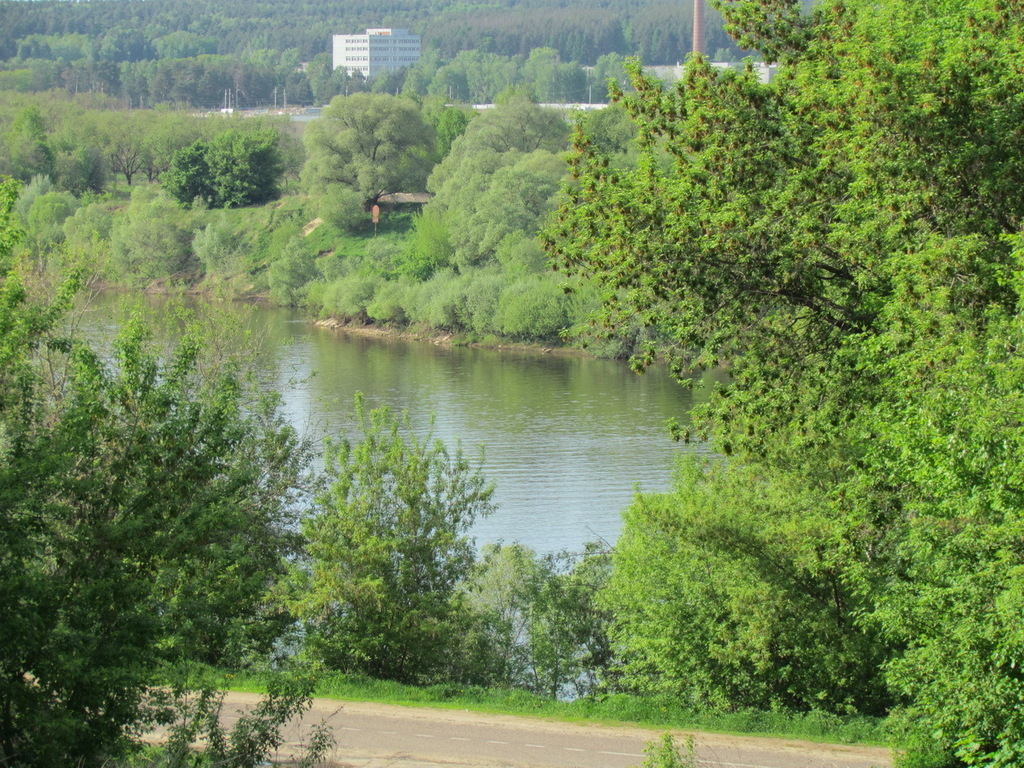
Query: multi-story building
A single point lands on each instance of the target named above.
(379, 50)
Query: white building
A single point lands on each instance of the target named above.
(379, 50)
(669, 73)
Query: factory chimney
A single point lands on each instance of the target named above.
(698, 27)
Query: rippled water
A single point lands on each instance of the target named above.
(565, 440)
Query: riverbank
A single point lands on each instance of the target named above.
(442, 339)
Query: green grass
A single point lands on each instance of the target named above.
(649, 712)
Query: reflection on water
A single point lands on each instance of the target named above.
(565, 440)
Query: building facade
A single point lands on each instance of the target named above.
(379, 50)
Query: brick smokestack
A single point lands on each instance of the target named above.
(698, 27)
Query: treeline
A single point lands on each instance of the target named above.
(118, 31)
(265, 79)
(243, 207)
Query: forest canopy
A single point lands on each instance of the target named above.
(119, 31)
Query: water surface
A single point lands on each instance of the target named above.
(566, 440)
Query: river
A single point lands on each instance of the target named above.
(566, 440)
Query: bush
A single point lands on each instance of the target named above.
(87, 236)
(232, 169)
(440, 303)
(429, 247)
(342, 208)
(217, 246)
(532, 308)
(664, 753)
(253, 739)
(388, 547)
(389, 303)
(289, 274)
(46, 218)
(152, 240)
(481, 296)
(349, 296)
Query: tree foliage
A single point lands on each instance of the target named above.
(845, 238)
(725, 593)
(387, 550)
(151, 240)
(371, 143)
(147, 509)
(232, 169)
(536, 619)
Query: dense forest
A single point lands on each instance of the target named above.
(136, 30)
(199, 56)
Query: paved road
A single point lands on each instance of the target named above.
(378, 735)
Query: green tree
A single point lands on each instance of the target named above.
(609, 68)
(510, 201)
(126, 143)
(290, 272)
(27, 194)
(533, 307)
(537, 621)
(429, 247)
(845, 280)
(218, 246)
(515, 125)
(151, 240)
(724, 594)
(183, 45)
(168, 132)
(612, 133)
(188, 177)
(387, 550)
(498, 183)
(46, 219)
(28, 145)
(372, 143)
(475, 77)
(449, 124)
(87, 235)
(246, 167)
(552, 80)
(147, 508)
(232, 169)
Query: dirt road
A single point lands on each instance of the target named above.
(380, 735)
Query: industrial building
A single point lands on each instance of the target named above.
(379, 50)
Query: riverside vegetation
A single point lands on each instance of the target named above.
(468, 263)
(846, 239)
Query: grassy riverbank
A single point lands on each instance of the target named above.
(652, 712)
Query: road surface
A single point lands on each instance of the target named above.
(381, 735)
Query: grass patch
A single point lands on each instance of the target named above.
(650, 712)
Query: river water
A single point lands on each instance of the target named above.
(566, 440)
